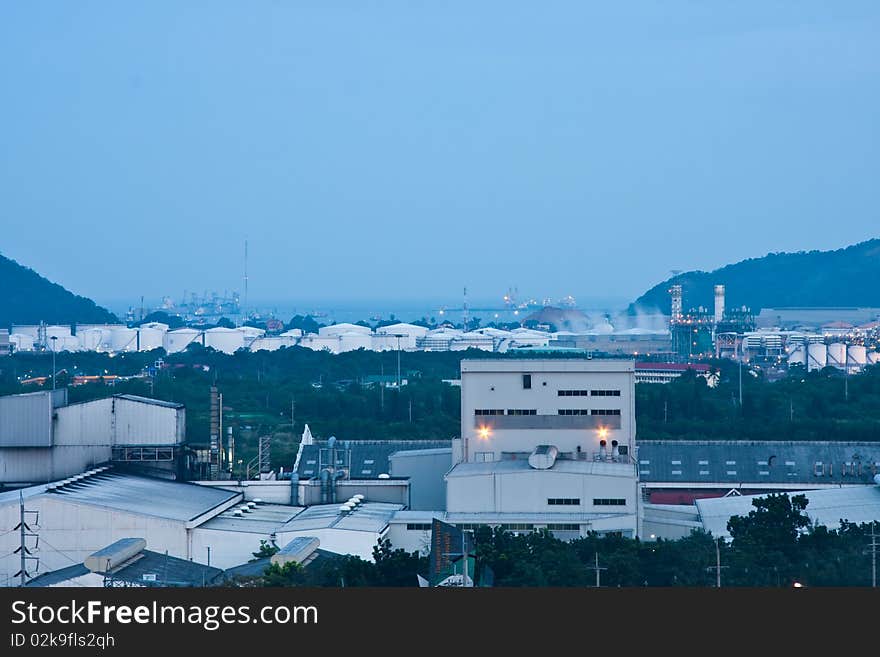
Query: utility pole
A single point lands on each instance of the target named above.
(54, 338)
(598, 569)
(717, 568)
(24, 531)
(873, 545)
(740, 377)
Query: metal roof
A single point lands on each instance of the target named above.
(827, 507)
(160, 569)
(366, 517)
(738, 461)
(560, 466)
(369, 458)
(142, 495)
(149, 400)
(262, 519)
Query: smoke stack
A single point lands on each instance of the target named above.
(719, 303)
(614, 451)
(675, 291)
(602, 452)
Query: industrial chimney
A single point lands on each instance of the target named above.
(719, 303)
(675, 291)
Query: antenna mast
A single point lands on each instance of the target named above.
(245, 282)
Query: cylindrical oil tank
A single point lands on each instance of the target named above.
(544, 457)
(856, 357)
(817, 356)
(90, 339)
(180, 339)
(22, 342)
(123, 339)
(149, 338)
(798, 356)
(224, 339)
(873, 357)
(837, 355)
(57, 331)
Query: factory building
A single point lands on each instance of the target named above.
(43, 438)
(546, 442)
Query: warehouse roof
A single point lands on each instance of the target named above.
(148, 568)
(367, 517)
(827, 507)
(143, 495)
(262, 519)
(369, 458)
(149, 400)
(737, 461)
(565, 466)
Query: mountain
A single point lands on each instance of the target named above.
(845, 277)
(28, 298)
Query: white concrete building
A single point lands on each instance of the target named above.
(546, 443)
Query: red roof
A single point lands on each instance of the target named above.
(673, 367)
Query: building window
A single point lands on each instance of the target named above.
(522, 411)
(484, 457)
(609, 501)
(489, 411)
(527, 381)
(605, 393)
(418, 527)
(516, 527)
(572, 393)
(605, 411)
(574, 411)
(563, 527)
(564, 501)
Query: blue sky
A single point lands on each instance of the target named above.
(403, 150)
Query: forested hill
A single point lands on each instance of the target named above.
(846, 277)
(28, 298)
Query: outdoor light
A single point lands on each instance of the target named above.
(484, 433)
(603, 432)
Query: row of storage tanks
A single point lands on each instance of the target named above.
(817, 355)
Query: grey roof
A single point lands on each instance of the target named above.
(369, 458)
(495, 518)
(827, 507)
(262, 519)
(142, 495)
(168, 571)
(367, 517)
(560, 466)
(738, 461)
(438, 451)
(149, 400)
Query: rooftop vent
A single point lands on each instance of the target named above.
(384, 475)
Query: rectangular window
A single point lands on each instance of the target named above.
(605, 393)
(609, 501)
(489, 411)
(418, 527)
(522, 411)
(605, 411)
(564, 501)
(572, 393)
(574, 411)
(527, 381)
(484, 457)
(563, 527)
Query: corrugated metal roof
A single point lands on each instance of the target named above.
(735, 461)
(827, 507)
(560, 466)
(369, 458)
(367, 517)
(262, 519)
(142, 495)
(148, 400)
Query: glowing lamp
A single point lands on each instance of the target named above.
(484, 433)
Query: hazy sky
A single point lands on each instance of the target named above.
(402, 150)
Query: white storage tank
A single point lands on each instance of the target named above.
(150, 338)
(90, 339)
(817, 356)
(798, 356)
(873, 357)
(58, 332)
(224, 339)
(543, 457)
(837, 355)
(122, 339)
(856, 357)
(178, 340)
(21, 342)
